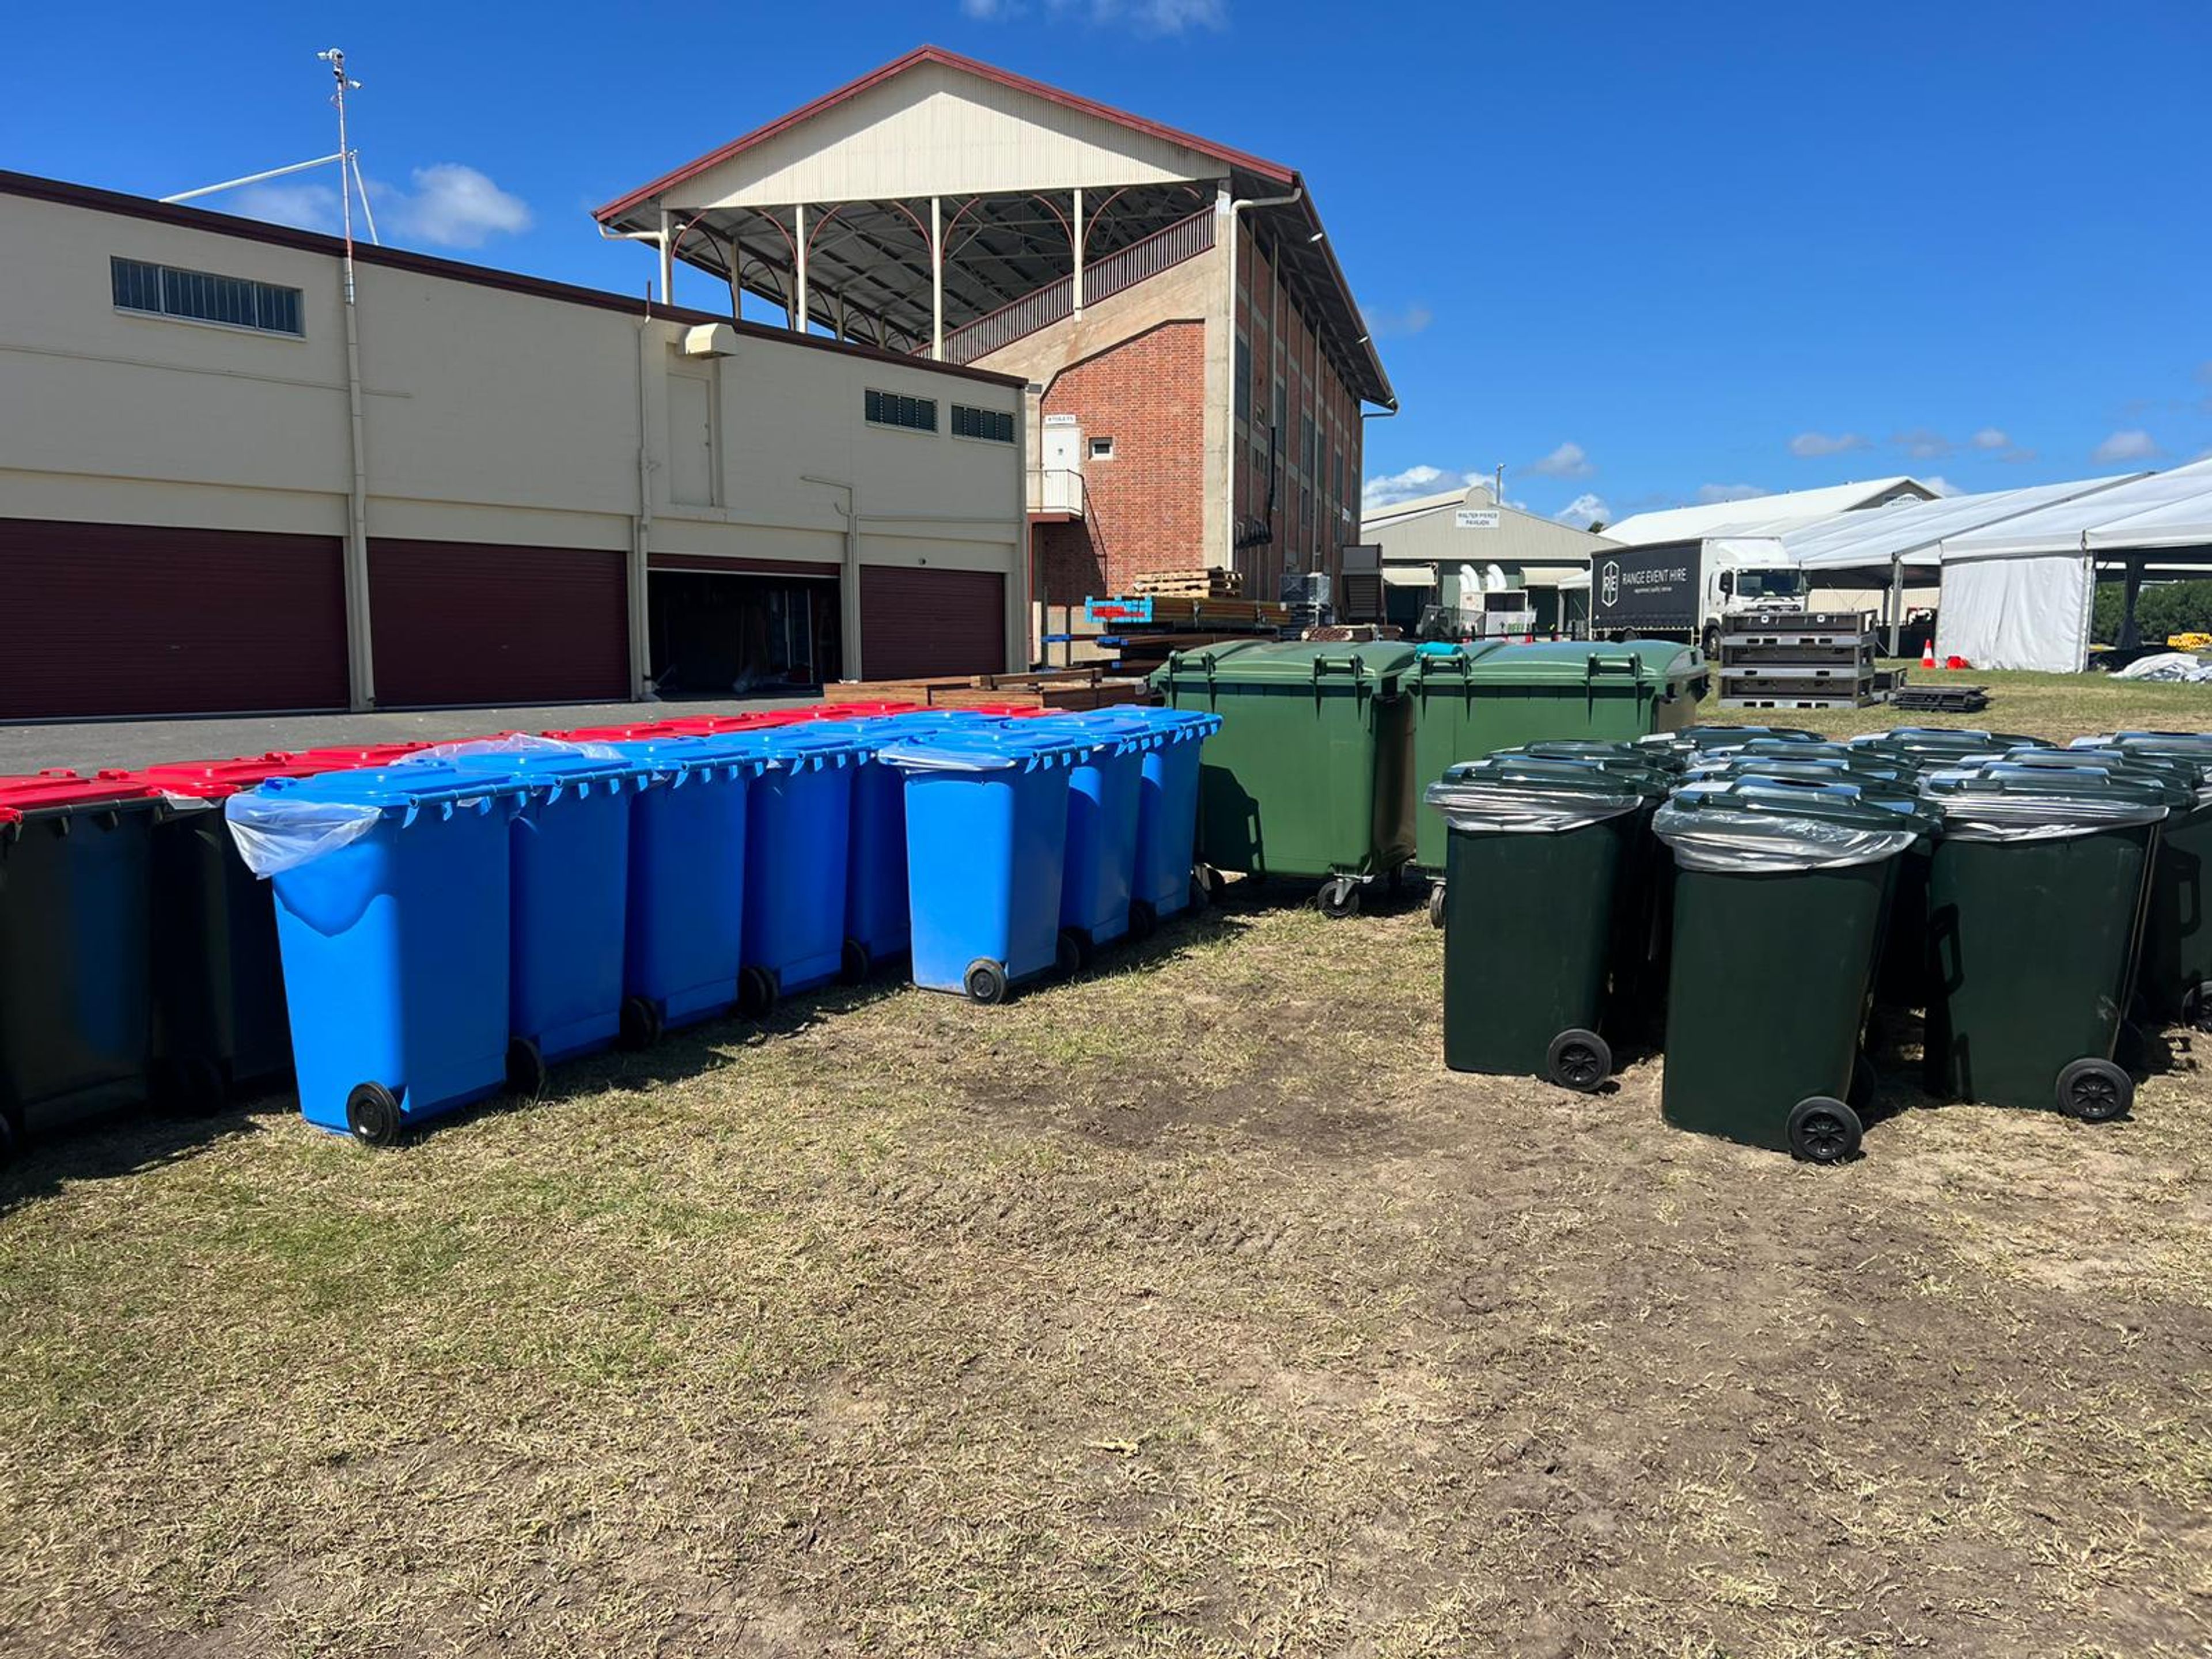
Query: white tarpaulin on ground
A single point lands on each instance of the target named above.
(2017, 593)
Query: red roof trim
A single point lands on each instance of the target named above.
(938, 55)
(307, 241)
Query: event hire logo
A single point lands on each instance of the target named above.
(1609, 582)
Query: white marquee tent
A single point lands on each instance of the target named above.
(2018, 591)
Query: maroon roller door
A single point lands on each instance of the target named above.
(917, 622)
(465, 623)
(138, 619)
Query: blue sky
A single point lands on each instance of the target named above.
(1639, 253)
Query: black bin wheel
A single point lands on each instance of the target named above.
(1578, 1060)
(757, 992)
(2200, 1011)
(1143, 920)
(373, 1114)
(855, 964)
(1823, 1130)
(2095, 1091)
(194, 1087)
(1072, 954)
(1436, 904)
(1207, 885)
(7, 1141)
(641, 1023)
(985, 981)
(526, 1069)
(1339, 899)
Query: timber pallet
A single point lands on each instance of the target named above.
(1087, 687)
(1209, 582)
(1942, 699)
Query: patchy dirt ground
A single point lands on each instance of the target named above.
(1188, 1309)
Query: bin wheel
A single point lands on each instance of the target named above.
(641, 1023)
(854, 966)
(2095, 1091)
(1823, 1130)
(526, 1069)
(7, 1141)
(1578, 1060)
(1339, 899)
(193, 1088)
(756, 992)
(1072, 955)
(1865, 1083)
(985, 982)
(1436, 904)
(2200, 1011)
(373, 1114)
(1143, 920)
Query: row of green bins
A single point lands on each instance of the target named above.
(1311, 776)
(2176, 961)
(1493, 695)
(75, 975)
(1781, 894)
(2036, 901)
(1547, 849)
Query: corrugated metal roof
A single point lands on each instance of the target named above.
(1759, 515)
(1424, 528)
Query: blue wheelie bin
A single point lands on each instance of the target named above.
(797, 848)
(392, 919)
(877, 928)
(685, 921)
(1167, 812)
(570, 850)
(987, 847)
(1105, 799)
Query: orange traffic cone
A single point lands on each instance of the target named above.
(1928, 654)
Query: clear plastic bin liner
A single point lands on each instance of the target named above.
(277, 833)
(1755, 844)
(510, 743)
(1508, 810)
(2023, 816)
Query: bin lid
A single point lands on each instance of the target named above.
(60, 790)
(1725, 736)
(2014, 799)
(1865, 767)
(212, 780)
(1767, 826)
(1173, 724)
(625, 733)
(2186, 773)
(863, 710)
(1376, 663)
(342, 757)
(2188, 748)
(1124, 733)
(1946, 740)
(820, 742)
(674, 755)
(1571, 661)
(1529, 794)
(405, 783)
(1027, 745)
(1623, 758)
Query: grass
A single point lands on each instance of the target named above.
(1187, 1309)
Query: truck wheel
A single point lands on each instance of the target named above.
(1710, 643)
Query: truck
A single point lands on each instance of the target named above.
(1679, 590)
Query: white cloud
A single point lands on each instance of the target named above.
(1392, 324)
(454, 206)
(1567, 461)
(1939, 484)
(2131, 444)
(1585, 510)
(988, 11)
(1389, 489)
(304, 207)
(1712, 494)
(1922, 445)
(1142, 16)
(1811, 446)
(1991, 438)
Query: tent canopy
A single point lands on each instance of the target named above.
(1912, 533)
(2169, 510)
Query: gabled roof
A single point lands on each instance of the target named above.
(1757, 515)
(2170, 510)
(1237, 159)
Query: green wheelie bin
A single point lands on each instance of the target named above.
(2036, 899)
(1685, 745)
(1491, 696)
(1310, 775)
(2176, 963)
(1539, 849)
(75, 947)
(1780, 897)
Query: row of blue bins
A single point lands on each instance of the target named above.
(452, 924)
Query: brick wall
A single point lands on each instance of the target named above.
(1146, 508)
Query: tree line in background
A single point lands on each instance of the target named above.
(2165, 608)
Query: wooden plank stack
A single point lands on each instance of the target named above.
(1207, 583)
(1058, 687)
